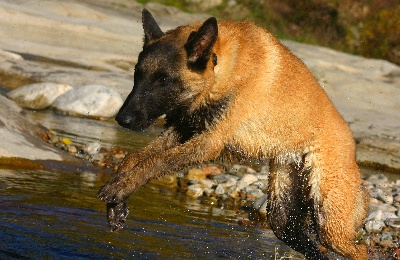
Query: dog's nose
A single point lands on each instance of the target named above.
(124, 121)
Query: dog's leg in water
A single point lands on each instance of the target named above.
(287, 209)
(117, 212)
(117, 190)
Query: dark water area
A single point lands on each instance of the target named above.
(48, 215)
(55, 214)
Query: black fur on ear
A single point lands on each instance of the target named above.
(199, 44)
(151, 29)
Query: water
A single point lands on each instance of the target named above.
(55, 214)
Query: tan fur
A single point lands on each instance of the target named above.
(278, 111)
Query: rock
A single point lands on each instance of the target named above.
(388, 215)
(219, 190)
(245, 181)
(261, 204)
(374, 226)
(195, 190)
(90, 100)
(386, 208)
(377, 179)
(39, 95)
(397, 198)
(209, 192)
(212, 170)
(375, 215)
(93, 148)
(230, 182)
(385, 197)
(72, 149)
(196, 174)
(206, 183)
(22, 139)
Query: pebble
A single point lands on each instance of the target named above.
(93, 148)
(195, 190)
(196, 174)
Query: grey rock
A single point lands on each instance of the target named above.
(261, 204)
(90, 100)
(219, 190)
(206, 183)
(39, 95)
(195, 190)
(22, 138)
(375, 215)
(374, 226)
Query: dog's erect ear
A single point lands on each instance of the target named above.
(200, 44)
(151, 29)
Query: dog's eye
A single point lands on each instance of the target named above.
(160, 78)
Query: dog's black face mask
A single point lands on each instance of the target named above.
(156, 86)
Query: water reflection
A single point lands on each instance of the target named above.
(53, 215)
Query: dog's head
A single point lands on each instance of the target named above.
(171, 71)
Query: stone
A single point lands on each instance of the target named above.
(245, 181)
(374, 226)
(38, 95)
(195, 190)
(230, 182)
(261, 204)
(93, 148)
(196, 174)
(206, 183)
(219, 190)
(212, 170)
(386, 208)
(375, 215)
(21, 138)
(90, 100)
(385, 197)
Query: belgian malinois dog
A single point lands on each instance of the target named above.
(227, 87)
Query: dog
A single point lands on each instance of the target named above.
(227, 87)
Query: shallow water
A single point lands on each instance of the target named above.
(56, 215)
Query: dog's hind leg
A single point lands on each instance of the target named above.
(287, 212)
(342, 205)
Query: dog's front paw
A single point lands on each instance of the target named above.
(116, 215)
(112, 191)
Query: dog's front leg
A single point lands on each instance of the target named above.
(165, 141)
(116, 191)
(117, 211)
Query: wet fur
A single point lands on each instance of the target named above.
(234, 87)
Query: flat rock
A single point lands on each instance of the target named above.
(90, 100)
(22, 138)
(39, 95)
